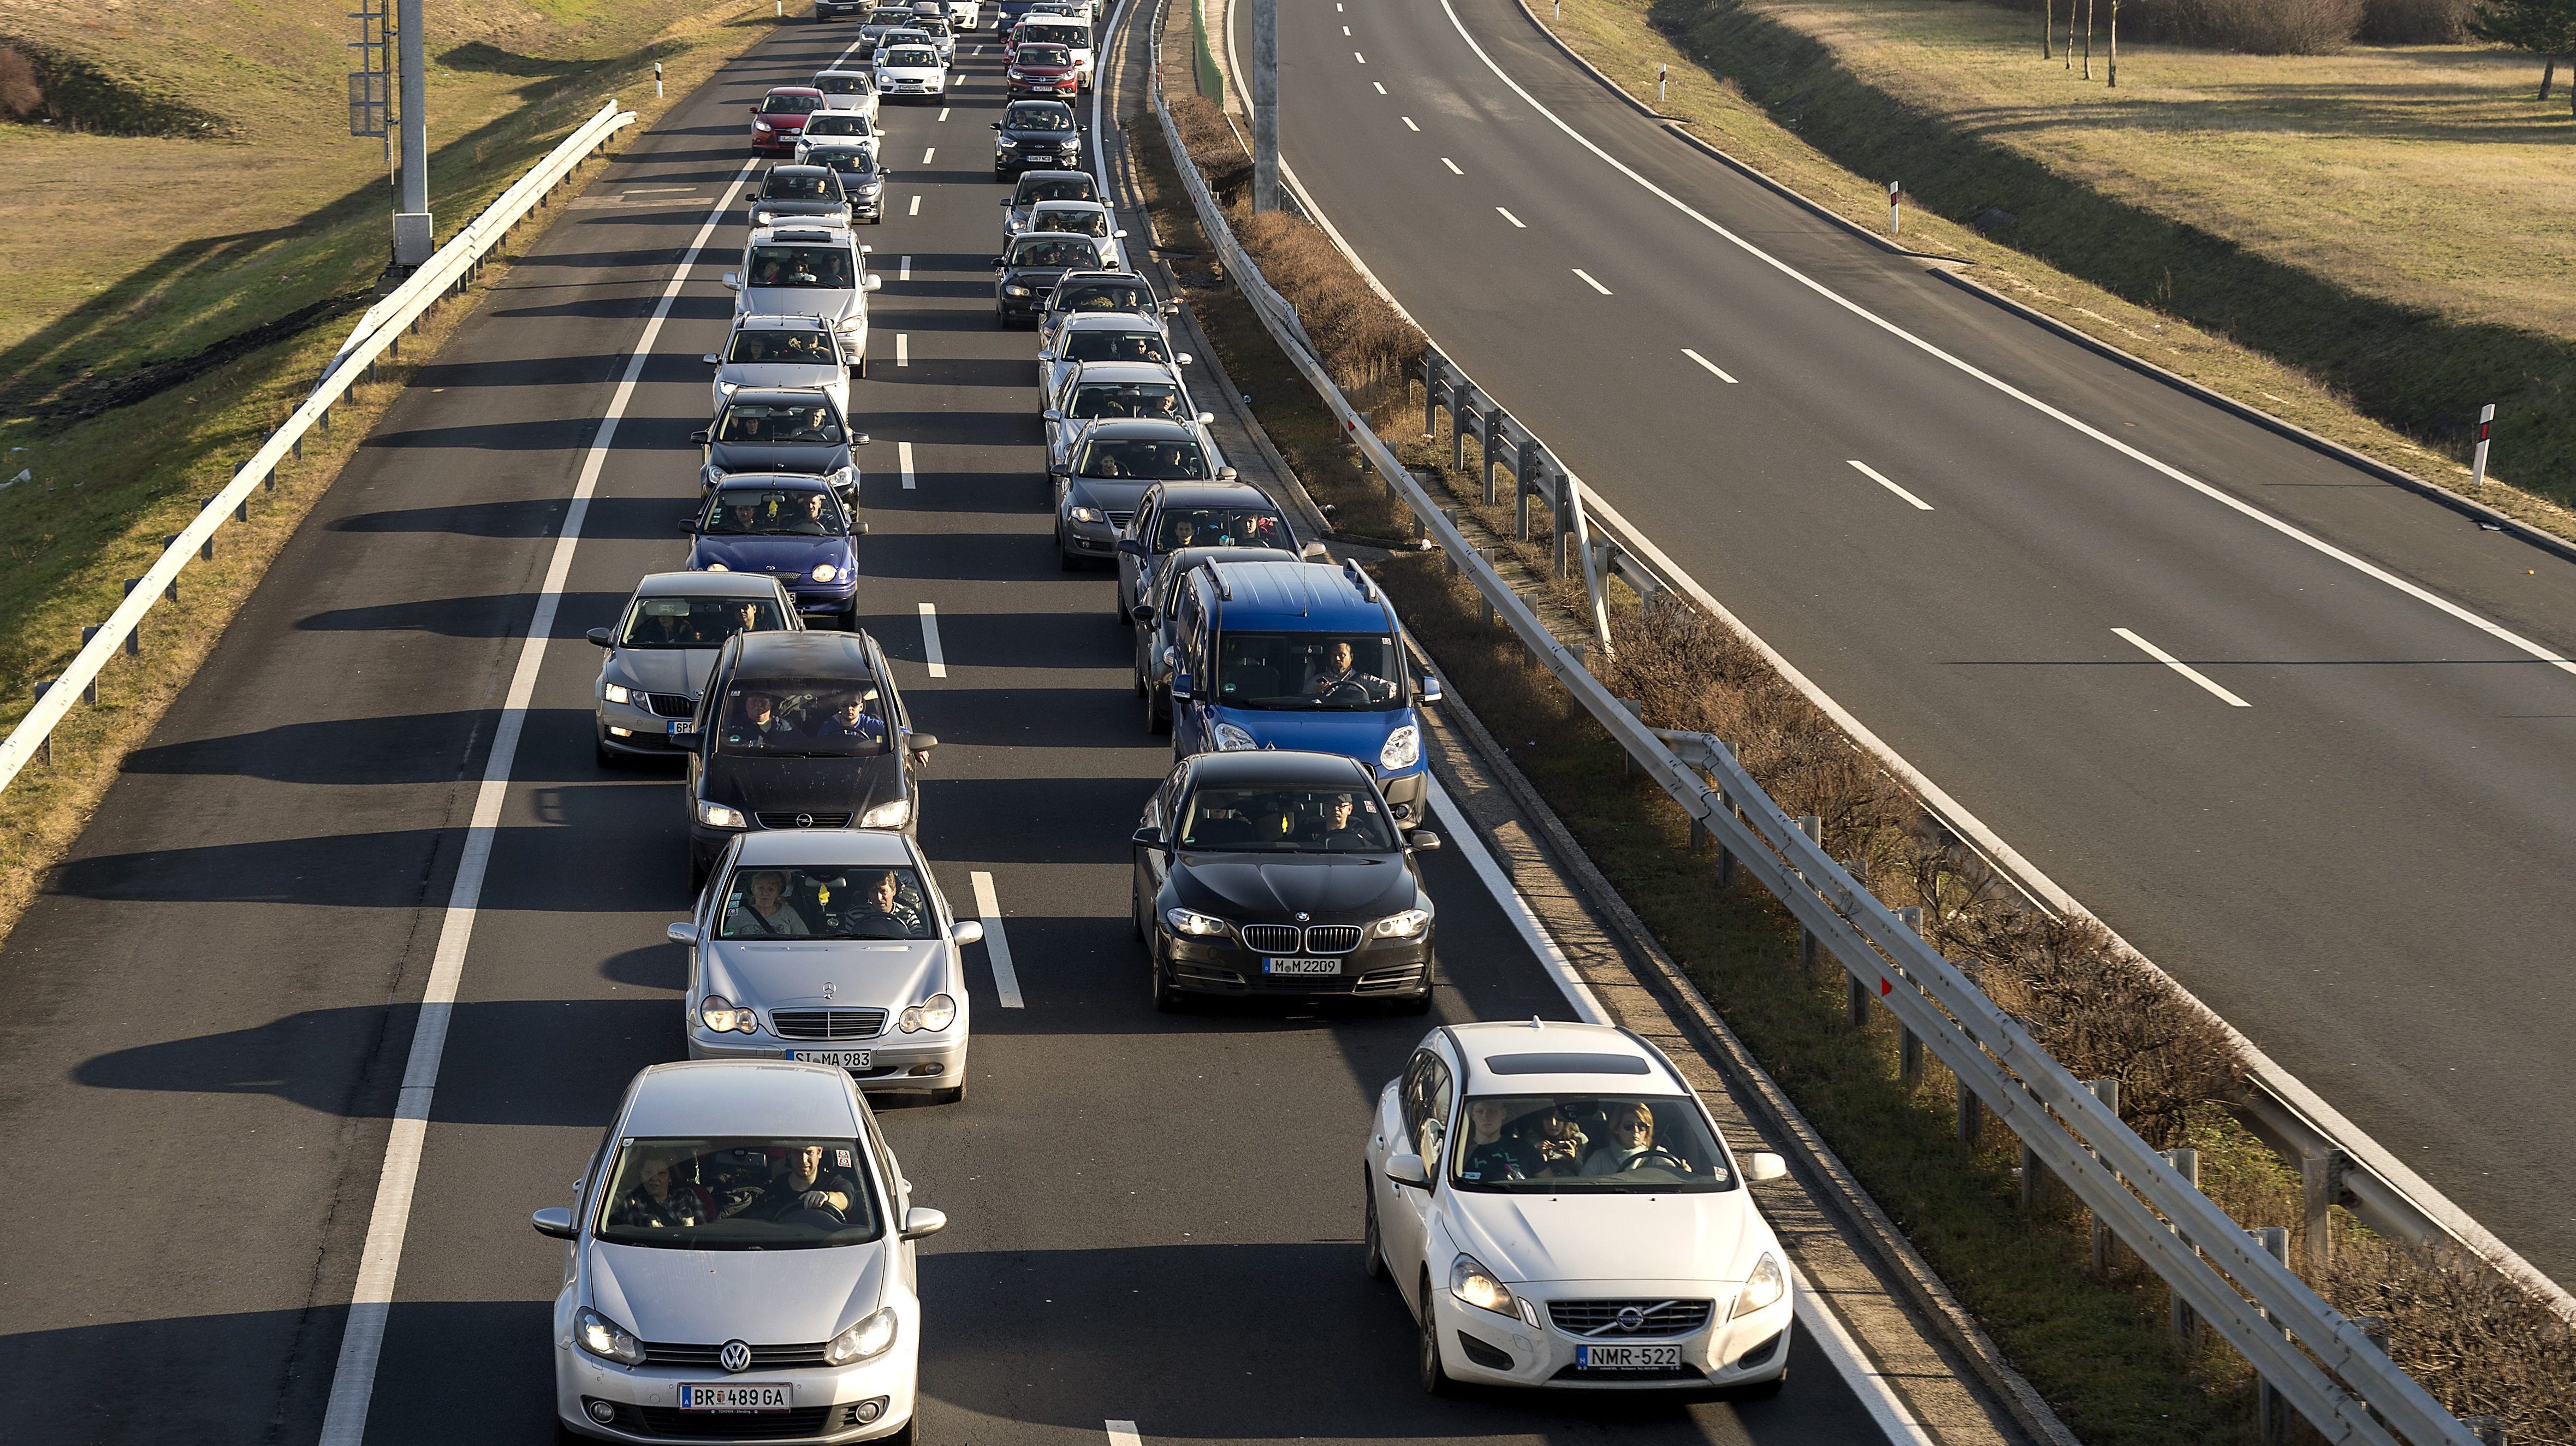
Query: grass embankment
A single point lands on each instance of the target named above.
(2095, 1345)
(2369, 245)
(104, 490)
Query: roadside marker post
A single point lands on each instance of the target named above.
(657, 80)
(2478, 458)
(1661, 71)
(1895, 217)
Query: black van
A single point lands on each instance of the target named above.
(798, 731)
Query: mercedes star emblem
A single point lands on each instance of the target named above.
(829, 988)
(734, 1356)
(1630, 1318)
(804, 820)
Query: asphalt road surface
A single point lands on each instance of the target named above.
(2349, 833)
(1154, 1218)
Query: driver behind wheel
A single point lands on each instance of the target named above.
(809, 1186)
(1334, 825)
(1631, 1144)
(1340, 673)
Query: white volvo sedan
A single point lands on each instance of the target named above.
(1559, 1210)
(830, 946)
(739, 1264)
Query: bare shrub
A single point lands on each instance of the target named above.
(2257, 27)
(1221, 159)
(2477, 1342)
(1363, 339)
(20, 96)
(2415, 22)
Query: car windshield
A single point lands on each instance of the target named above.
(856, 167)
(840, 123)
(806, 719)
(890, 16)
(1219, 527)
(804, 346)
(912, 56)
(790, 104)
(834, 901)
(1143, 459)
(1081, 221)
(820, 268)
(1067, 253)
(1107, 344)
(847, 84)
(785, 187)
(1128, 296)
(1045, 55)
(1044, 34)
(696, 622)
(1125, 399)
(776, 422)
(773, 512)
(1034, 189)
(1037, 118)
(738, 1194)
(1306, 670)
(1286, 821)
(1583, 1143)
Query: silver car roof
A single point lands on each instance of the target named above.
(1123, 371)
(772, 848)
(779, 321)
(1107, 320)
(705, 584)
(1479, 1045)
(698, 1099)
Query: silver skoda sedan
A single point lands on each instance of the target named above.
(662, 647)
(739, 1264)
(830, 946)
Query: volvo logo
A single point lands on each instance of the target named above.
(804, 820)
(1630, 1318)
(734, 1356)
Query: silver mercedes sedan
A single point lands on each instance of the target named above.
(664, 643)
(830, 946)
(739, 1264)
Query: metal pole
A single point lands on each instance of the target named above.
(2185, 1322)
(411, 204)
(2108, 1092)
(1265, 105)
(2478, 458)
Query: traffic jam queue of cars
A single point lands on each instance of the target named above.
(1552, 1201)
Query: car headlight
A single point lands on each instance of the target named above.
(723, 1016)
(615, 692)
(1763, 1288)
(825, 572)
(763, 217)
(934, 1014)
(1230, 739)
(1015, 291)
(605, 1338)
(718, 567)
(728, 388)
(760, 125)
(716, 815)
(887, 815)
(1404, 925)
(1080, 513)
(1005, 142)
(1186, 921)
(1403, 748)
(868, 1338)
(1480, 1288)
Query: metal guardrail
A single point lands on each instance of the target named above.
(378, 332)
(2313, 1355)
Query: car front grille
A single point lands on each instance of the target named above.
(1270, 938)
(670, 705)
(1289, 939)
(1332, 938)
(763, 1358)
(678, 1425)
(1599, 1319)
(1120, 520)
(827, 1024)
(803, 820)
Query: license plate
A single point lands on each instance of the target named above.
(777, 1397)
(1301, 966)
(845, 1058)
(681, 727)
(1628, 1358)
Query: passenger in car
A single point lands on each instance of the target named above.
(764, 910)
(849, 721)
(659, 1201)
(1490, 1152)
(1558, 1140)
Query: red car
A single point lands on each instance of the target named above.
(780, 117)
(1046, 72)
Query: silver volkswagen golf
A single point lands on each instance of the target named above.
(739, 1264)
(830, 946)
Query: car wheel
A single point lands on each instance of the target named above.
(1435, 1376)
(1419, 1004)
(863, 364)
(1761, 1390)
(848, 617)
(608, 757)
(1118, 605)
(1372, 1245)
(1135, 913)
(944, 1097)
(1158, 719)
(1166, 998)
(899, 1438)
(697, 878)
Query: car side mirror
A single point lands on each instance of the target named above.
(1312, 552)
(1148, 837)
(920, 742)
(874, 283)
(1005, 202)
(1763, 1165)
(1422, 841)
(1184, 356)
(688, 522)
(554, 1222)
(921, 1221)
(1207, 419)
(711, 359)
(966, 931)
(1184, 686)
(682, 932)
(599, 638)
(997, 125)
(860, 439)
(1141, 612)
(1406, 1169)
(1046, 354)
(733, 281)
(1227, 474)
(1051, 415)
(1430, 688)
(701, 434)
(999, 263)
(867, 250)
(1132, 547)
(1120, 234)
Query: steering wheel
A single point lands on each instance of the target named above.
(1348, 690)
(1648, 1156)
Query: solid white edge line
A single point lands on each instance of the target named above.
(1868, 1383)
(902, 349)
(1466, 840)
(903, 462)
(1588, 281)
(2179, 666)
(930, 641)
(2286, 529)
(1517, 223)
(362, 1339)
(1713, 368)
(1123, 1433)
(1880, 478)
(997, 943)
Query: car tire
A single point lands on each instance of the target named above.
(1761, 1390)
(948, 1096)
(608, 757)
(697, 878)
(1419, 1004)
(848, 618)
(1167, 1000)
(1435, 1375)
(1065, 559)
(862, 367)
(1158, 719)
(1135, 913)
(1372, 1243)
(899, 1438)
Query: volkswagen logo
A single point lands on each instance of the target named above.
(804, 820)
(734, 1356)
(1630, 1318)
